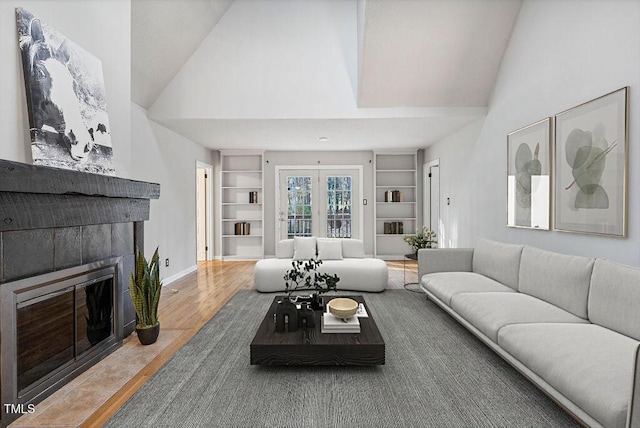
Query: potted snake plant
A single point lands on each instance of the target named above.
(145, 287)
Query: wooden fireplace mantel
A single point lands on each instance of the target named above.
(36, 197)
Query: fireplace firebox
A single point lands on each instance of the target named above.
(56, 325)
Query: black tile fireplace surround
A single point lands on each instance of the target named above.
(77, 228)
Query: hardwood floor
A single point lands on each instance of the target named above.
(185, 306)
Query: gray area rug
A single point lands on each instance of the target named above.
(436, 375)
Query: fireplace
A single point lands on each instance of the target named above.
(55, 325)
(67, 245)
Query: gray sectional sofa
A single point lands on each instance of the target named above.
(570, 324)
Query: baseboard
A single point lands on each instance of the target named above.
(177, 276)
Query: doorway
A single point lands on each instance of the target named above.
(323, 202)
(431, 199)
(204, 197)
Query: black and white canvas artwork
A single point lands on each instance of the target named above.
(65, 99)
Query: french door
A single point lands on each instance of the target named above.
(319, 202)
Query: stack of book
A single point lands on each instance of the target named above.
(393, 227)
(393, 196)
(331, 324)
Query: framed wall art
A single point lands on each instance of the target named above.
(591, 159)
(529, 176)
(66, 100)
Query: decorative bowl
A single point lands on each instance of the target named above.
(343, 308)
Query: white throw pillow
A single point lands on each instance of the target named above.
(329, 249)
(352, 249)
(284, 249)
(304, 248)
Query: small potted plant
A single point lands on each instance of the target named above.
(145, 287)
(304, 276)
(424, 238)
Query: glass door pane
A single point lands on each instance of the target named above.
(94, 313)
(45, 336)
(319, 202)
(299, 206)
(339, 202)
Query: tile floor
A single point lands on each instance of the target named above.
(64, 408)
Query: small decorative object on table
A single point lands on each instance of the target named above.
(306, 318)
(343, 308)
(286, 316)
(145, 287)
(341, 316)
(424, 238)
(304, 275)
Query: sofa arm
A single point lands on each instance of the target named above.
(444, 260)
(633, 415)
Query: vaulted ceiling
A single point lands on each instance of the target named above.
(279, 74)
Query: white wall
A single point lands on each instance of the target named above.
(562, 53)
(101, 27)
(145, 151)
(364, 158)
(162, 156)
(454, 154)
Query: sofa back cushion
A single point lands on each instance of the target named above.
(498, 261)
(329, 249)
(559, 279)
(304, 248)
(352, 249)
(614, 297)
(284, 249)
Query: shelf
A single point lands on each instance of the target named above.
(242, 173)
(241, 203)
(396, 218)
(395, 170)
(394, 203)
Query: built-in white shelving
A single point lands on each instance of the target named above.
(241, 174)
(395, 171)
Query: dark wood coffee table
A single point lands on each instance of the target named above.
(311, 347)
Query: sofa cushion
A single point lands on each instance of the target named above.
(352, 248)
(590, 365)
(489, 312)
(329, 249)
(304, 248)
(559, 279)
(284, 249)
(445, 285)
(498, 261)
(431, 260)
(366, 274)
(614, 297)
(355, 274)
